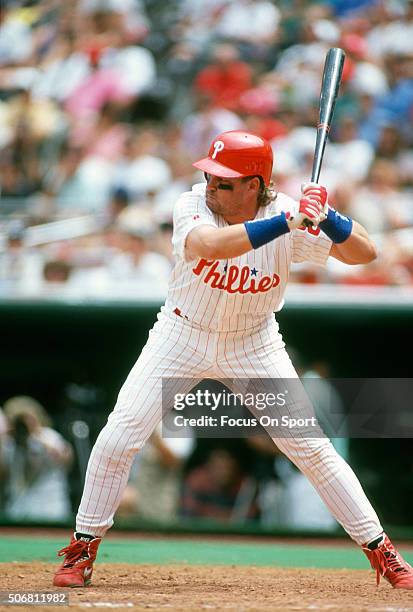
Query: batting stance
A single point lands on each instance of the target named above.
(234, 240)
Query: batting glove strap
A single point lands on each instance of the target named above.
(337, 227)
(264, 230)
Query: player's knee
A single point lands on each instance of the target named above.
(314, 452)
(114, 445)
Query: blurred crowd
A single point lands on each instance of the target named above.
(104, 104)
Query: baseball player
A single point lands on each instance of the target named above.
(234, 240)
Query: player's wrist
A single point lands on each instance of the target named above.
(262, 231)
(336, 226)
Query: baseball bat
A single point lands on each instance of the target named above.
(333, 68)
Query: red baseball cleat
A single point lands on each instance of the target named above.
(76, 570)
(389, 563)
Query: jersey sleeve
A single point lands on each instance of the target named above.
(190, 211)
(309, 244)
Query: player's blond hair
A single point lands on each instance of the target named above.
(266, 194)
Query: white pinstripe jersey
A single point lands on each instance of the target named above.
(240, 293)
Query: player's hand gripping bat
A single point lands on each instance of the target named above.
(333, 68)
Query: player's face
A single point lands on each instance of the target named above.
(234, 199)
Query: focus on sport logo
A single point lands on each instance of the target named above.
(218, 146)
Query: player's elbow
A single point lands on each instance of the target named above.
(373, 253)
(204, 242)
(363, 254)
(210, 248)
(363, 258)
(369, 254)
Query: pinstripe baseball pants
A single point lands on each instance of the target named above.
(176, 349)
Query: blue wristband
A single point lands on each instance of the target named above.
(337, 227)
(264, 230)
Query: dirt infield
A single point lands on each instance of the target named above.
(189, 588)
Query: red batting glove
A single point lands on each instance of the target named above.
(317, 193)
(311, 209)
(309, 213)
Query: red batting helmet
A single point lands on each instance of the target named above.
(236, 154)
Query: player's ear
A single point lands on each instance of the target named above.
(254, 184)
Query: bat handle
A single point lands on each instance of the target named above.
(314, 179)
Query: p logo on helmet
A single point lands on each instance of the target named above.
(218, 146)
(237, 154)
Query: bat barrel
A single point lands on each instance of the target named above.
(333, 69)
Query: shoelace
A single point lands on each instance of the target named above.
(73, 552)
(383, 559)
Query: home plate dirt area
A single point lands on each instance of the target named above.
(236, 575)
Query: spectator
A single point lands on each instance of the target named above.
(197, 23)
(4, 426)
(392, 145)
(155, 482)
(212, 490)
(16, 40)
(62, 69)
(280, 500)
(31, 123)
(393, 32)
(119, 200)
(225, 79)
(128, 266)
(102, 85)
(134, 64)
(127, 16)
(260, 109)
(79, 183)
(142, 170)
(254, 24)
(102, 135)
(350, 155)
(381, 205)
(182, 173)
(206, 121)
(36, 459)
(20, 267)
(395, 105)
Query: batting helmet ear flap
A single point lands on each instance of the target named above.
(238, 154)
